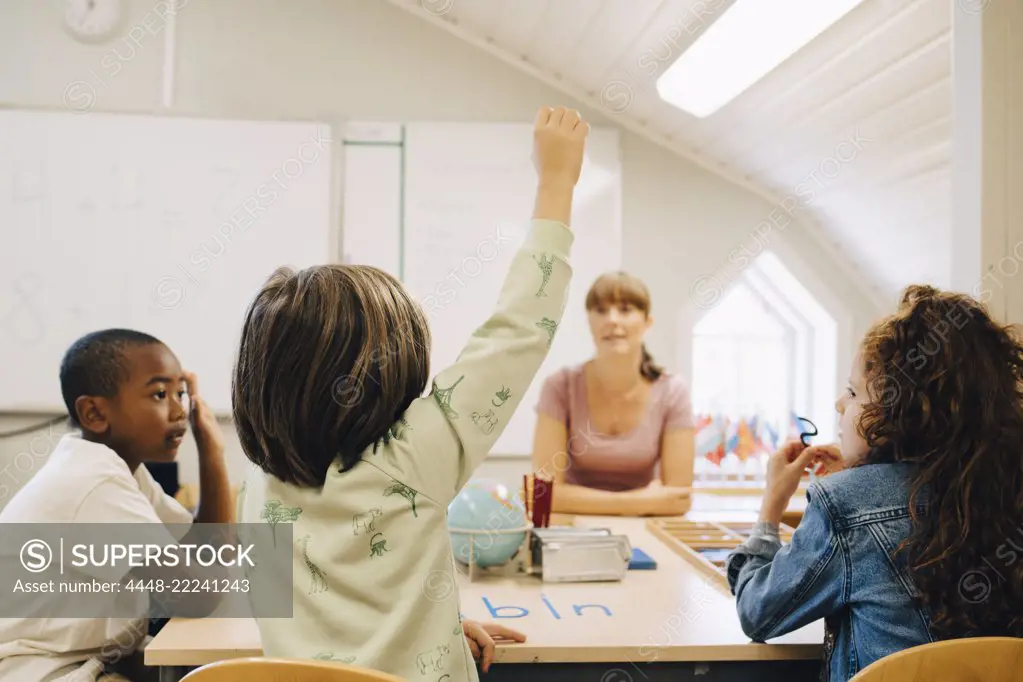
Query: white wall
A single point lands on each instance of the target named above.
(366, 60)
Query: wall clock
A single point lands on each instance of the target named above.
(93, 21)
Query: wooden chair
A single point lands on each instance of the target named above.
(284, 670)
(982, 659)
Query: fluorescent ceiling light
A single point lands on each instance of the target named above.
(746, 43)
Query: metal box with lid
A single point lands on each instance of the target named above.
(565, 554)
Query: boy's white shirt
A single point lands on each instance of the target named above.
(81, 482)
(372, 569)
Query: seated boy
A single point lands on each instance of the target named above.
(132, 402)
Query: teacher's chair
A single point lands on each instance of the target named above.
(284, 670)
(981, 659)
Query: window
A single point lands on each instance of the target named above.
(765, 353)
(746, 43)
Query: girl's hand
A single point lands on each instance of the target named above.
(208, 437)
(784, 469)
(827, 459)
(481, 639)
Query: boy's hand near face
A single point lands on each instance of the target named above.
(215, 503)
(208, 436)
(481, 640)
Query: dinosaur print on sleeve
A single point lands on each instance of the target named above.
(549, 326)
(546, 264)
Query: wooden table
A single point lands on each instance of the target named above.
(722, 504)
(652, 625)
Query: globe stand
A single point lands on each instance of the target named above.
(519, 564)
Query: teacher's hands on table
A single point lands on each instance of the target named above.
(658, 499)
(481, 636)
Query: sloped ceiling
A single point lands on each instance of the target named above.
(856, 127)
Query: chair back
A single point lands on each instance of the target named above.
(981, 659)
(284, 670)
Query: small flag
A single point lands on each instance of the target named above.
(710, 439)
(796, 427)
(732, 436)
(746, 445)
(768, 436)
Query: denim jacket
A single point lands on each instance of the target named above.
(839, 566)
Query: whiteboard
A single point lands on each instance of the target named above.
(466, 195)
(164, 225)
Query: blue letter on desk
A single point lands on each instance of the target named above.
(493, 610)
(550, 606)
(579, 607)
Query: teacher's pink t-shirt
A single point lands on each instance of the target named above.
(623, 462)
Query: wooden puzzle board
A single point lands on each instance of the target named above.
(706, 544)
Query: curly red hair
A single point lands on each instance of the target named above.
(945, 391)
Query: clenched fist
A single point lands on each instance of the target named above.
(559, 138)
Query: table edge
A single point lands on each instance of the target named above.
(583, 653)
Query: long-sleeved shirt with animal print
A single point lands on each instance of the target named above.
(374, 581)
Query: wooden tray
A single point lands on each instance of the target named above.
(706, 544)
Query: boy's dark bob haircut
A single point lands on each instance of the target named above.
(330, 357)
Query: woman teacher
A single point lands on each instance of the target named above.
(624, 424)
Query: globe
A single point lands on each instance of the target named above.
(488, 507)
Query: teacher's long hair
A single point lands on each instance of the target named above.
(615, 288)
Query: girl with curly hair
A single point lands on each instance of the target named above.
(914, 533)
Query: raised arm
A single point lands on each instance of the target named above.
(470, 403)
